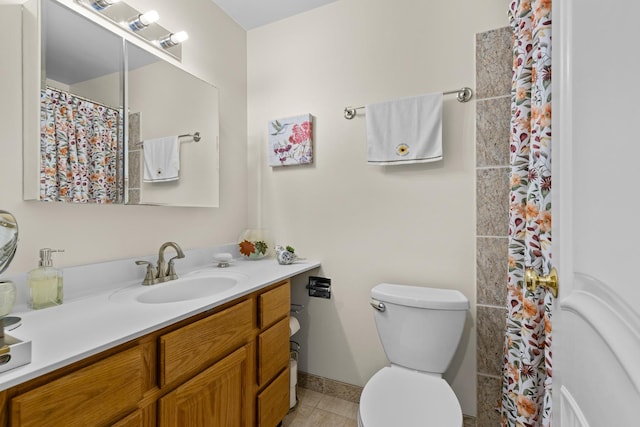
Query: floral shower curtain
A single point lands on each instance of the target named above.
(81, 150)
(527, 372)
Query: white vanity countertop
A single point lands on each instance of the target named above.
(90, 324)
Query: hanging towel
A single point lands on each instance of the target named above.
(161, 159)
(407, 130)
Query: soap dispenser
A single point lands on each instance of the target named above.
(45, 282)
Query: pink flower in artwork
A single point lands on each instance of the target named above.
(300, 133)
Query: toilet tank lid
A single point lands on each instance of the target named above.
(419, 296)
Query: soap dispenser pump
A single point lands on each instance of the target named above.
(45, 282)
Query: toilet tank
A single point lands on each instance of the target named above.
(420, 327)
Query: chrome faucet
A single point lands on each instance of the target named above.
(162, 273)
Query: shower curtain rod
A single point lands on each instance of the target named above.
(464, 95)
(82, 98)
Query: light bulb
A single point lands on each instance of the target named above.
(179, 37)
(149, 17)
(143, 20)
(173, 39)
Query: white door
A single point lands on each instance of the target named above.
(596, 229)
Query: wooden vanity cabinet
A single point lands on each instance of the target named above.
(272, 398)
(223, 368)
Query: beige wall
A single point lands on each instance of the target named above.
(216, 52)
(410, 224)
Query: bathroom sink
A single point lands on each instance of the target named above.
(190, 287)
(187, 289)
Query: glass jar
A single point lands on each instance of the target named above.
(7, 297)
(255, 243)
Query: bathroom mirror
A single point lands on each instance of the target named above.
(8, 239)
(102, 93)
(162, 101)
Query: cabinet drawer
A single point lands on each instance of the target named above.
(273, 402)
(97, 395)
(273, 351)
(190, 349)
(273, 305)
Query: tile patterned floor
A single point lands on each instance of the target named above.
(319, 410)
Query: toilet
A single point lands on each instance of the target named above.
(420, 329)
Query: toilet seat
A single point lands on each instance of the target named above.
(397, 396)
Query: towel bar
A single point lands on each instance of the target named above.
(463, 95)
(196, 137)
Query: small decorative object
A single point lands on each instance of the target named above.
(290, 141)
(254, 243)
(285, 255)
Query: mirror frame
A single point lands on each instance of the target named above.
(6, 258)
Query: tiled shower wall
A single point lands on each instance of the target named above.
(135, 154)
(493, 87)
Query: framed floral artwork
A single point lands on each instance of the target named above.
(290, 141)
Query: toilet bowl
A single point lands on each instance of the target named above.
(420, 329)
(397, 396)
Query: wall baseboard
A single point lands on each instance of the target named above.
(329, 387)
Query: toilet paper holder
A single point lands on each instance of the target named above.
(319, 287)
(296, 308)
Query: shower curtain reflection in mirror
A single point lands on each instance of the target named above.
(81, 149)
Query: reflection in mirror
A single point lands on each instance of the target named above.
(167, 107)
(8, 239)
(81, 121)
(79, 150)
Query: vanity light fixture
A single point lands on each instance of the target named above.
(103, 4)
(173, 39)
(143, 20)
(142, 25)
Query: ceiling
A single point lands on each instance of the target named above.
(256, 13)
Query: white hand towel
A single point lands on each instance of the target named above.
(407, 130)
(161, 159)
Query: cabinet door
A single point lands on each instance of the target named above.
(97, 395)
(217, 397)
(273, 402)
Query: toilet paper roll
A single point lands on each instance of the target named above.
(294, 325)
(293, 381)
